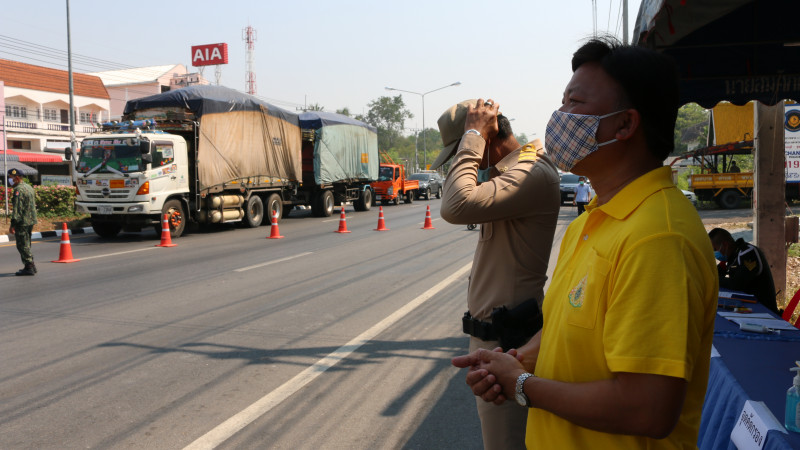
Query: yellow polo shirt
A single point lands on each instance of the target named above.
(635, 290)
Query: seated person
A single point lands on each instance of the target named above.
(733, 168)
(743, 267)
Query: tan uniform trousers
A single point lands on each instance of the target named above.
(503, 426)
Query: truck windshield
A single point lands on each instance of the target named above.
(109, 156)
(385, 174)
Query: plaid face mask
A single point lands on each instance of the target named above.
(571, 137)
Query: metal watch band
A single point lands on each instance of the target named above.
(473, 131)
(520, 392)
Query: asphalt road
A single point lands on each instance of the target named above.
(231, 340)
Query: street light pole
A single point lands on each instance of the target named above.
(423, 94)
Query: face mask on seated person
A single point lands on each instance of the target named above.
(569, 138)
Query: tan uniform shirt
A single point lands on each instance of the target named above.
(517, 210)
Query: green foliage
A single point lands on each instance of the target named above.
(344, 111)
(387, 114)
(794, 250)
(690, 126)
(315, 107)
(54, 201)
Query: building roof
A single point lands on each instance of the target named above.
(38, 78)
(137, 75)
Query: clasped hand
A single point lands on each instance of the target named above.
(492, 375)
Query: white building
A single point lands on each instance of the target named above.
(129, 84)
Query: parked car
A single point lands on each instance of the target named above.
(568, 183)
(429, 183)
(691, 196)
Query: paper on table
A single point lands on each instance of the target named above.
(730, 314)
(775, 324)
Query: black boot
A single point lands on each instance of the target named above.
(27, 270)
(33, 266)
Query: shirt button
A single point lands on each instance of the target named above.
(585, 237)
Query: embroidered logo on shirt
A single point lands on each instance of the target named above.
(528, 153)
(576, 294)
(751, 265)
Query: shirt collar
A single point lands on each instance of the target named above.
(632, 195)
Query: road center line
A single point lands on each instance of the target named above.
(225, 430)
(243, 269)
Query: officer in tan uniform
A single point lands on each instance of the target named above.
(513, 192)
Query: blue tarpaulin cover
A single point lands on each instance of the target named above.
(345, 149)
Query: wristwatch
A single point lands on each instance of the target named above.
(473, 131)
(519, 392)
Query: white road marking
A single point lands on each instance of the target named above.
(225, 430)
(243, 269)
(119, 253)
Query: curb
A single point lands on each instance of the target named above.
(46, 234)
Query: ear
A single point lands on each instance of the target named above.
(628, 125)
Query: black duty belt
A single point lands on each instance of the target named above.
(478, 328)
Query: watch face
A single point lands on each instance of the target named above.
(521, 399)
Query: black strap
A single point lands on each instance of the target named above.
(477, 328)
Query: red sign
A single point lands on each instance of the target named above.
(209, 54)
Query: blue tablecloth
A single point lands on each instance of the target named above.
(751, 367)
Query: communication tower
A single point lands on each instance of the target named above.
(250, 36)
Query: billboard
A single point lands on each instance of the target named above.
(209, 54)
(791, 131)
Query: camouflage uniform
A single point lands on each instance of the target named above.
(23, 218)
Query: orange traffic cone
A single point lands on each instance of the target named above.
(381, 222)
(166, 238)
(273, 232)
(65, 252)
(342, 223)
(428, 222)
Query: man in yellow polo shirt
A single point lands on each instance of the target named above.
(622, 359)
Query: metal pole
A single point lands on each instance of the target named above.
(5, 162)
(72, 141)
(424, 142)
(625, 22)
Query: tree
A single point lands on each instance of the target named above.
(387, 114)
(315, 107)
(344, 111)
(691, 126)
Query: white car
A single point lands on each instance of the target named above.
(691, 196)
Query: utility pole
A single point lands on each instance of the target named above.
(625, 22)
(72, 141)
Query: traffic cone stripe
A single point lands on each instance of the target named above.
(342, 223)
(274, 232)
(166, 237)
(428, 222)
(65, 250)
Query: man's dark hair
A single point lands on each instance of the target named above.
(719, 235)
(649, 82)
(503, 127)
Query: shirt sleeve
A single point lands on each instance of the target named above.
(658, 308)
(464, 201)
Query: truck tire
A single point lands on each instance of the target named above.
(439, 192)
(176, 218)
(323, 204)
(106, 229)
(410, 196)
(729, 199)
(364, 202)
(396, 199)
(274, 204)
(253, 212)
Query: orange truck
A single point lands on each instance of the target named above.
(392, 184)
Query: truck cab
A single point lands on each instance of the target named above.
(128, 179)
(392, 185)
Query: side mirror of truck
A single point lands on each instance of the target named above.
(144, 147)
(147, 157)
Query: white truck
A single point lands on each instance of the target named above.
(208, 154)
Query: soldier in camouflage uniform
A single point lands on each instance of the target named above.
(23, 218)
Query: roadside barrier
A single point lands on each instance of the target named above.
(166, 238)
(428, 222)
(274, 233)
(381, 221)
(342, 223)
(65, 250)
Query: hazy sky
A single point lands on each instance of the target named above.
(337, 54)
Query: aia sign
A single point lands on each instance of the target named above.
(209, 54)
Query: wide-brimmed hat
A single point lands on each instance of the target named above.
(451, 127)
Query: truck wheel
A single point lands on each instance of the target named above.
(274, 204)
(364, 202)
(176, 218)
(410, 197)
(106, 229)
(253, 211)
(439, 192)
(323, 204)
(396, 199)
(729, 199)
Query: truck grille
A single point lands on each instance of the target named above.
(120, 194)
